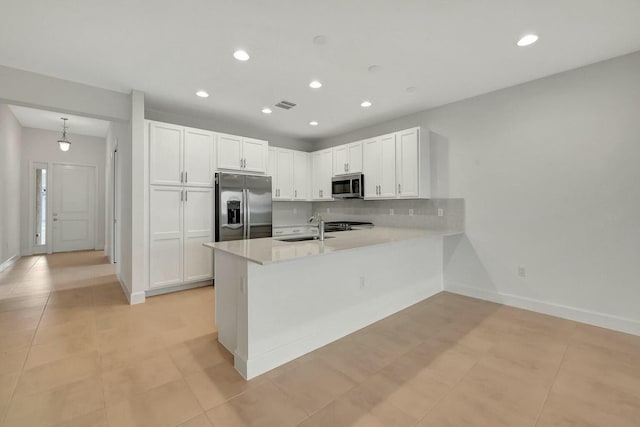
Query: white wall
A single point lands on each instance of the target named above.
(549, 173)
(10, 135)
(40, 145)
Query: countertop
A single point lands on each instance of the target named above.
(269, 250)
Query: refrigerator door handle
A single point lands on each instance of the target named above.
(244, 213)
(248, 209)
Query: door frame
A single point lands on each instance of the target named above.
(51, 195)
(114, 205)
(31, 248)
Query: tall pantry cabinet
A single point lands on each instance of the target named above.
(181, 175)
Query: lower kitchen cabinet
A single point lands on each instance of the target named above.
(181, 219)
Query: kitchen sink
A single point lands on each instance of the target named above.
(303, 239)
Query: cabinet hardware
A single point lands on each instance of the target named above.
(345, 167)
(399, 189)
(186, 177)
(348, 167)
(186, 195)
(295, 193)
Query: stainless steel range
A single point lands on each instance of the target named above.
(346, 225)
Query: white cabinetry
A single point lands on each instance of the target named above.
(397, 165)
(322, 172)
(180, 156)
(281, 170)
(347, 158)
(181, 220)
(301, 175)
(242, 154)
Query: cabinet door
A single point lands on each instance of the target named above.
(229, 152)
(165, 154)
(327, 174)
(301, 175)
(254, 153)
(285, 174)
(355, 157)
(316, 175)
(387, 171)
(370, 167)
(198, 229)
(198, 157)
(273, 171)
(407, 158)
(341, 159)
(165, 246)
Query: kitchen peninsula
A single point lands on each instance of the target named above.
(277, 300)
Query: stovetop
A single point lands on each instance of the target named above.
(346, 225)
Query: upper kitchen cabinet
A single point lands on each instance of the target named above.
(180, 156)
(242, 154)
(281, 171)
(397, 165)
(347, 158)
(165, 154)
(301, 175)
(321, 174)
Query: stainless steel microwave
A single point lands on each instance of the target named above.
(348, 186)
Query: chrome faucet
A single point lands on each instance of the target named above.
(318, 218)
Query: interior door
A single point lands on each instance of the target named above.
(198, 229)
(73, 207)
(166, 242)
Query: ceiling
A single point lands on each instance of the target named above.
(50, 120)
(447, 49)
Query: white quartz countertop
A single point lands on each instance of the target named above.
(270, 250)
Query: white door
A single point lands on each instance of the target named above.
(370, 167)
(165, 154)
(254, 153)
(73, 207)
(355, 158)
(341, 159)
(407, 158)
(301, 175)
(229, 152)
(165, 226)
(285, 174)
(198, 158)
(198, 229)
(387, 171)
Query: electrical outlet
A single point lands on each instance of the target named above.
(522, 272)
(361, 282)
(440, 212)
(391, 211)
(410, 212)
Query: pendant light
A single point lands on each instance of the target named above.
(64, 142)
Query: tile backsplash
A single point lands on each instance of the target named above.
(291, 213)
(420, 213)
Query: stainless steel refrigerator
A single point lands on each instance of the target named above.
(243, 206)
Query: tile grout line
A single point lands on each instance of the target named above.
(24, 363)
(544, 403)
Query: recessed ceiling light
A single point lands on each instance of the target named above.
(527, 40)
(314, 123)
(266, 110)
(241, 55)
(202, 94)
(366, 104)
(315, 84)
(411, 89)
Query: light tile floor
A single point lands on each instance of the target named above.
(73, 353)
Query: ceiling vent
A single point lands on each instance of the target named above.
(285, 105)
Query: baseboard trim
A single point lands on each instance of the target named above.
(177, 288)
(609, 321)
(132, 297)
(9, 262)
